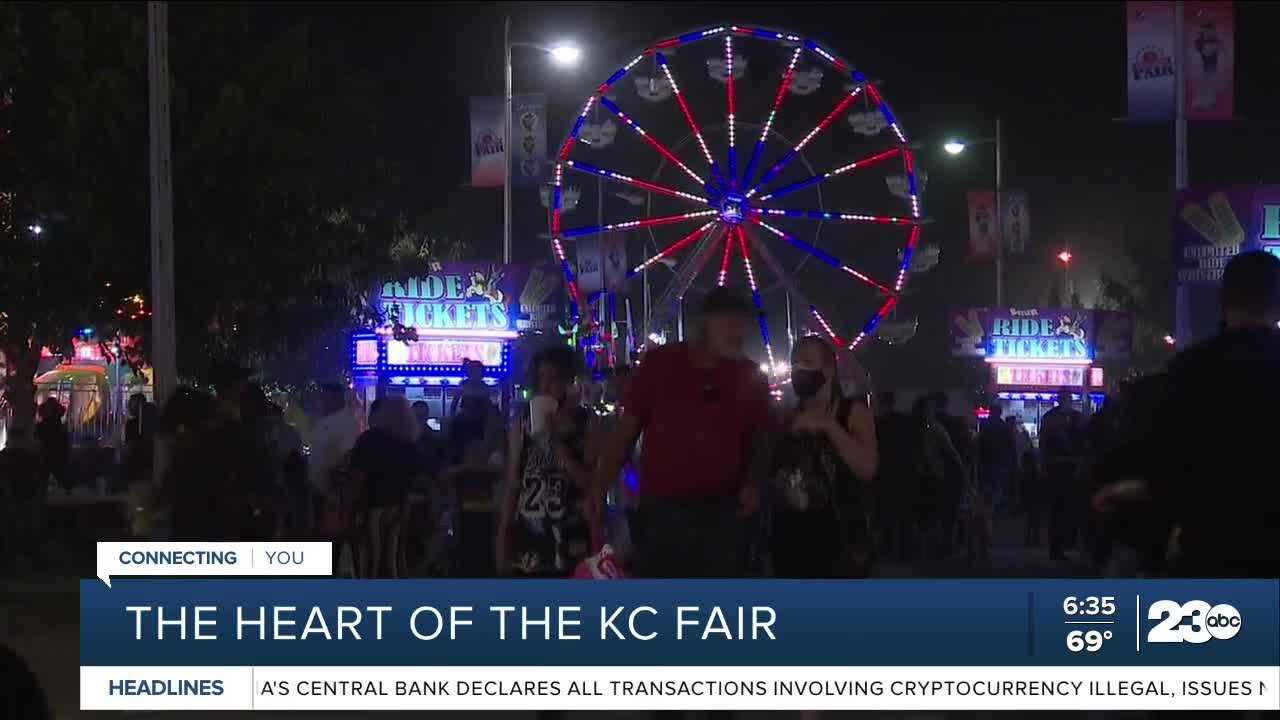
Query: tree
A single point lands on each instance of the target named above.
(72, 163)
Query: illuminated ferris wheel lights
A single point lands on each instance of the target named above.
(604, 172)
(728, 197)
(684, 108)
(668, 250)
(825, 325)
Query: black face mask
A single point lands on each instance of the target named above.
(807, 383)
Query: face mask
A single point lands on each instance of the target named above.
(807, 383)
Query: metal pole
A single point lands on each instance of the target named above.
(163, 341)
(999, 219)
(506, 142)
(791, 335)
(1182, 296)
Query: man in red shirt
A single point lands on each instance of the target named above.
(703, 409)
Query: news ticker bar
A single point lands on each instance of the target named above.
(678, 688)
(767, 623)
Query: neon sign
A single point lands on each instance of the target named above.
(462, 298)
(1040, 375)
(1035, 334)
(444, 352)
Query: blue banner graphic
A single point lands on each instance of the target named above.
(690, 623)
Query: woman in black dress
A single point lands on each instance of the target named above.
(826, 459)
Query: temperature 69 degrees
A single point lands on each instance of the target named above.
(1089, 620)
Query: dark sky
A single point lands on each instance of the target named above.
(1054, 71)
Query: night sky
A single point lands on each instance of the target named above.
(1053, 71)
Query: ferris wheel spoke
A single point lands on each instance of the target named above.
(825, 215)
(724, 259)
(612, 107)
(667, 251)
(688, 117)
(814, 179)
(728, 84)
(870, 327)
(826, 326)
(773, 114)
(823, 256)
(755, 292)
(696, 265)
(629, 224)
(790, 155)
(613, 175)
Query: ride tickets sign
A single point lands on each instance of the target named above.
(1037, 334)
(472, 297)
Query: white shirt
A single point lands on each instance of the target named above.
(332, 437)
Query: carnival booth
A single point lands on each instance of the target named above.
(1033, 353)
(434, 325)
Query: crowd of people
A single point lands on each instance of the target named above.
(698, 471)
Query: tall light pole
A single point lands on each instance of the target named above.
(955, 147)
(164, 361)
(563, 55)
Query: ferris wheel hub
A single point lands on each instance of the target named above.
(733, 208)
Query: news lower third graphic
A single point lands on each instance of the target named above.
(308, 642)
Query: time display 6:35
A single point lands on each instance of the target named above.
(1092, 605)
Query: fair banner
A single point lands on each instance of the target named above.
(982, 223)
(615, 261)
(1017, 220)
(1208, 49)
(1150, 60)
(590, 265)
(529, 152)
(488, 142)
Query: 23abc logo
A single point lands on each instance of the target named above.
(1192, 622)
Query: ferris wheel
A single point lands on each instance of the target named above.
(735, 153)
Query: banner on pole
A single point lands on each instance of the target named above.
(615, 261)
(1150, 60)
(982, 223)
(529, 125)
(1017, 220)
(1208, 48)
(488, 142)
(590, 265)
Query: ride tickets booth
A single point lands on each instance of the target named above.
(432, 325)
(1033, 353)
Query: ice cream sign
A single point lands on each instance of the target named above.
(1038, 334)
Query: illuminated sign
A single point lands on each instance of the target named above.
(1038, 334)
(366, 352)
(1040, 375)
(444, 352)
(1096, 378)
(1272, 249)
(463, 297)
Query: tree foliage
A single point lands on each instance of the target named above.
(73, 166)
(281, 224)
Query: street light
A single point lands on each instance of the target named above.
(1064, 257)
(36, 229)
(955, 147)
(563, 55)
(566, 55)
